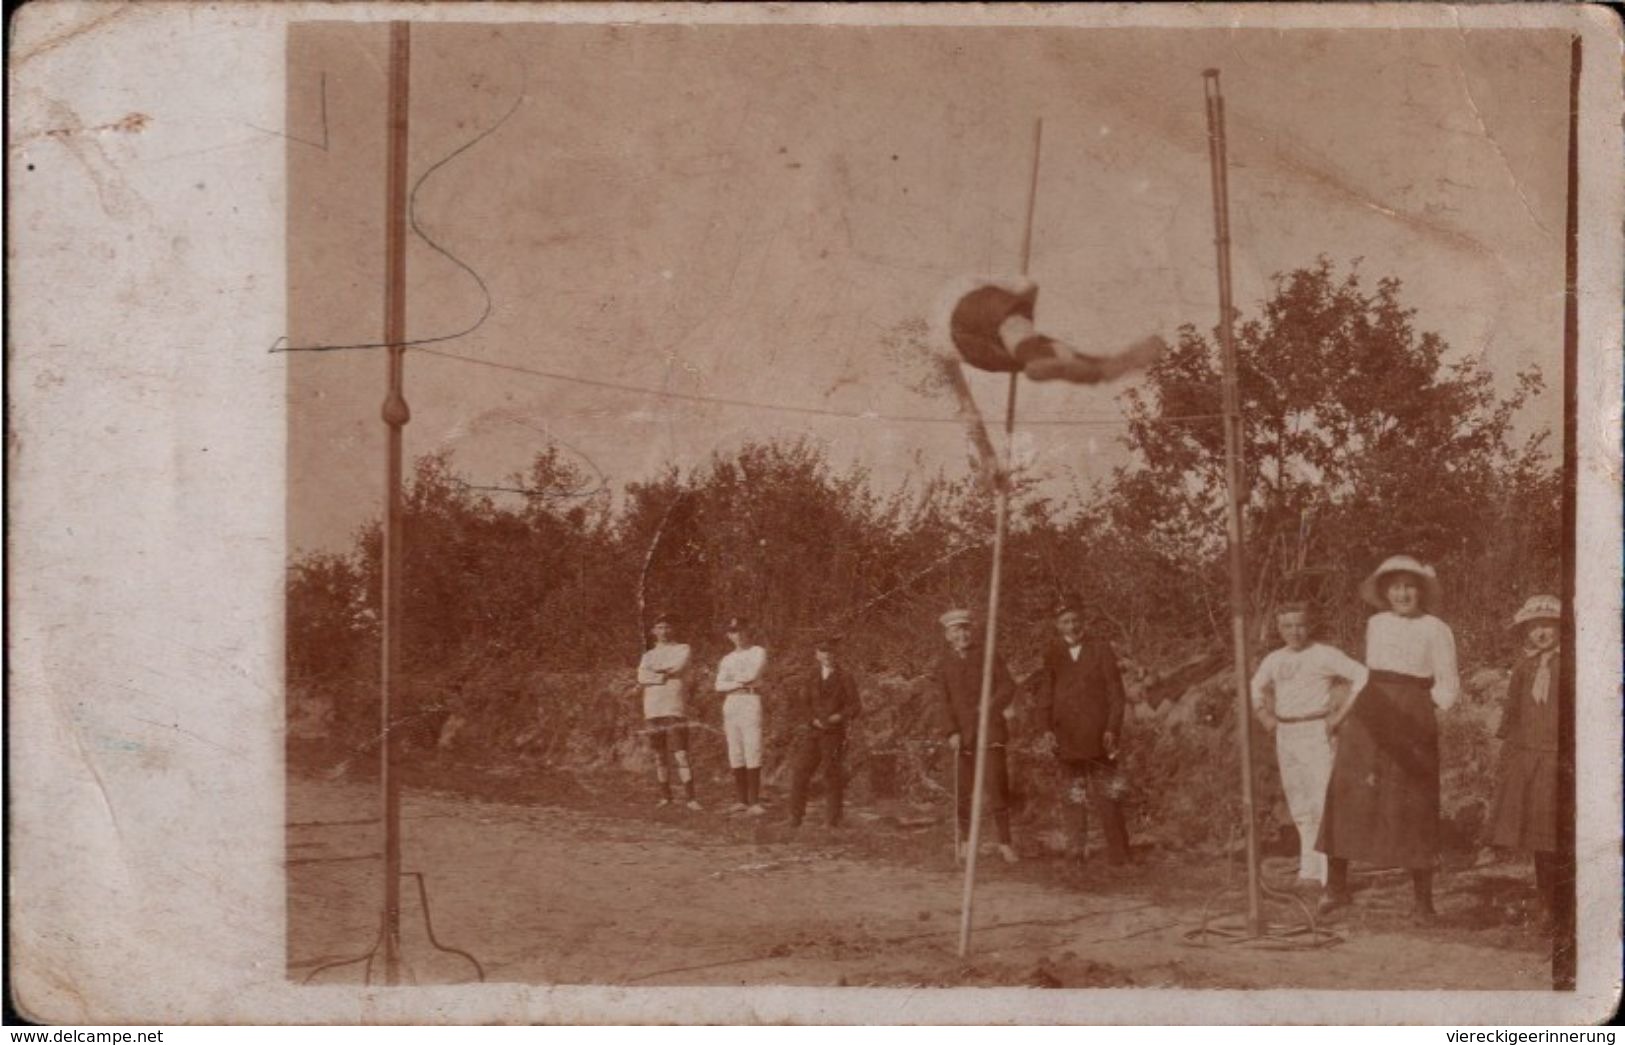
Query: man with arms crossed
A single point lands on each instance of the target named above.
(663, 674)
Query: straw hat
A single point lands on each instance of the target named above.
(1538, 607)
(1371, 587)
(953, 617)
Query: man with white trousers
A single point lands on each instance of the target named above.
(738, 676)
(1292, 695)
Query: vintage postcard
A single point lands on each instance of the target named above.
(819, 514)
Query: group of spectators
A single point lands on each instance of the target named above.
(1357, 741)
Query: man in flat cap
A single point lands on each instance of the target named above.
(823, 707)
(958, 683)
(1080, 706)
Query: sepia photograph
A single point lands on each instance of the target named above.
(936, 503)
(730, 370)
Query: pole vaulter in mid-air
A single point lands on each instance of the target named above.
(990, 324)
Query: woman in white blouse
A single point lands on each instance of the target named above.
(1382, 805)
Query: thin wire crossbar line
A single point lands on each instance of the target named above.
(789, 408)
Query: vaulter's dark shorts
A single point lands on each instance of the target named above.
(664, 729)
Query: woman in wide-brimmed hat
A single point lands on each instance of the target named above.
(1382, 805)
(1525, 811)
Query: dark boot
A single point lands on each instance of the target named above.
(1337, 885)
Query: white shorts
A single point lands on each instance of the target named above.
(742, 723)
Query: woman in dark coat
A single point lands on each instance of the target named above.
(1525, 811)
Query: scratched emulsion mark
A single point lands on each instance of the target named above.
(83, 143)
(318, 145)
(130, 123)
(487, 305)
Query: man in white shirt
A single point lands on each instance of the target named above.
(738, 676)
(663, 674)
(1293, 696)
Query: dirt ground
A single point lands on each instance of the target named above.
(549, 878)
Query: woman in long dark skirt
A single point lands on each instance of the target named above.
(1525, 811)
(1382, 805)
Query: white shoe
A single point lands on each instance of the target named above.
(738, 807)
(663, 803)
(1009, 854)
(755, 810)
(694, 805)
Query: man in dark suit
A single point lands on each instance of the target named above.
(823, 707)
(958, 682)
(1080, 706)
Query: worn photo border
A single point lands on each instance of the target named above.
(147, 479)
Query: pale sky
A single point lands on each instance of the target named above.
(745, 211)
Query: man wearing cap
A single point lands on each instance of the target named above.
(823, 707)
(958, 682)
(1080, 706)
(738, 677)
(663, 674)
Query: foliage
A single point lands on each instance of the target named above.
(526, 605)
(1361, 441)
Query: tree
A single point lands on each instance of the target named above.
(1360, 438)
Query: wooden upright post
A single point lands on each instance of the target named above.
(1236, 492)
(395, 416)
(1564, 957)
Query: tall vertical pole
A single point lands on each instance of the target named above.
(1001, 514)
(1236, 495)
(395, 416)
(1564, 958)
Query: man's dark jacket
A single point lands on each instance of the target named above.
(958, 683)
(1080, 701)
(819, 698)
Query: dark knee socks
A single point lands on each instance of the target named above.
(742, 786)
(753, 786)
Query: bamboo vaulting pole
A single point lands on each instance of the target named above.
(1000, 524)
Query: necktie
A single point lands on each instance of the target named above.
(1542, 688)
